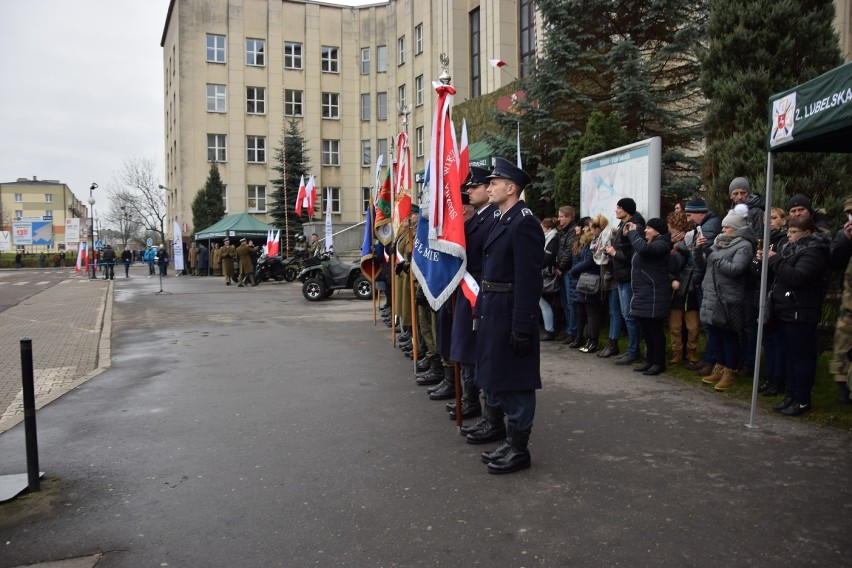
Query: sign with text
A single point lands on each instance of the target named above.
(22, 233)
(72, 229)
(5, 241)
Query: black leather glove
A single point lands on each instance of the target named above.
(521, 343)
(401, 267)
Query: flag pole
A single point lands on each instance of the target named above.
(404, 111)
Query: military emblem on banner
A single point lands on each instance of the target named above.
(783, 119)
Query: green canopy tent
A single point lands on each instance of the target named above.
(812, 117)
(237, 226)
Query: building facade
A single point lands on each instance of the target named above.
(237, 71)
(45, 204)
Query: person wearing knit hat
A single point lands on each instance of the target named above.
(740, 186)
(658, 225)
(800, 206)
(628, 205)
(736, 218)
(696, 205)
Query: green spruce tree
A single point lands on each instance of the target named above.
(291, 163)
(757, 48)
(208, 207)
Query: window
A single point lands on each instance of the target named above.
(254, 52)
(418, 39)
(365, 107)
(19, 198)
(255, 100)
(216, 149)
(400, 96)
(527, 39)
(418, 90)
(381, 106)
(48, 213)
(48, 198)
(256, 149)
(225, 197)
(382, 59)
(292, 55)
(400, 47)
(292, 102)
(215, 48)
(365, 154)
(418, 142)
(365, 61)
(475, 70)
(331, 105)
(329, 62)
(382, 148)
(18, 214)
(334, 206)
(216, 98)
(256, 198)
(366, 199)
(331, 152)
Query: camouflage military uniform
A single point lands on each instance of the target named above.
(840, 367)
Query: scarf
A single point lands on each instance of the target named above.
(548, 236)
(817, 239)
(724, 241)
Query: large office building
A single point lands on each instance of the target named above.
(237, 71)
(43, 207)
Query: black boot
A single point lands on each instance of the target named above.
(423, 364)
(579, 341)
(610, 349)
(471, 408)
(434, 375)
(465, 430)
(500, 451)
(449, 387)
(490, 429)
(517, 457)
(442, 385)
(590, 347)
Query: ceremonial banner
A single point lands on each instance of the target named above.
(329, 243)
(177, 247)
(384, 229)
(402, 187)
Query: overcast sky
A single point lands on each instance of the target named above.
(81, 89)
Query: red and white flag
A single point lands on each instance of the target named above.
(311, 195)
(464, 154)
(402, 187)
(300, 197)
(497, 63)
(82, 258)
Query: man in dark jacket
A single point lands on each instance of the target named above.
(740, 192)
(621, 251)
(126, 258)
(507, 348)
(564, 257)
(708, 224)
(108, 259)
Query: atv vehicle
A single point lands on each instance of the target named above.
(322, 275)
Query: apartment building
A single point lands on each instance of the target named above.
(236, 71)
(44, 205)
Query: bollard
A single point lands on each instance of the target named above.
(29, 413)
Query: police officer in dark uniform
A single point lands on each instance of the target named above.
(463, 348)
(507, 346)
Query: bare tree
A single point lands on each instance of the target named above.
(136, 188)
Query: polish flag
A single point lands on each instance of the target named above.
(310, 196)
(276, 243)
(497, 63)
(300, 197)
(464, 154)
(82, 258)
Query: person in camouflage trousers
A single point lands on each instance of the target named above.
(840, 367)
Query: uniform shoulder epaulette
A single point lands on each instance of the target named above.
(526, 211)
(496, 213)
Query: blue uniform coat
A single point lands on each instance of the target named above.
(476, 230)
(514, 253)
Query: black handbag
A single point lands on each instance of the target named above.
(552, 281)
(589, 284)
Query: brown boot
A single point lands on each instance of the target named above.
(729, 377)
(677, 357)
(715, 376)
(691, 356)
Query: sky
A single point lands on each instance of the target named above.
(81, 89)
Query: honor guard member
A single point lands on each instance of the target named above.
(507, 347)
(227, 255)
(463, 348)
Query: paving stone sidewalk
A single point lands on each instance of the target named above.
(69, 324)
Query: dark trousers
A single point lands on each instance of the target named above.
(800, 348)
(519, 406)
(726, 346)
(126, 269)
(655, 340)
(589, 319)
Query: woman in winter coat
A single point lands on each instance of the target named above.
(726, 266)
(652, 290)
(580, 243)
(589, 305)
(684, 300)
(551, 243)
(775, 372)
(798, 276)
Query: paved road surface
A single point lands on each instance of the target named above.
(246, 427)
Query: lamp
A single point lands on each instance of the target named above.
(91, 201)
(169, 204)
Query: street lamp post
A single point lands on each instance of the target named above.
(91, 255)
(170, 205)
(122, 225)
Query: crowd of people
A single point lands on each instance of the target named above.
(663, 282)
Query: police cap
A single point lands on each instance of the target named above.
(505, 169)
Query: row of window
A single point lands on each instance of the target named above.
(19, 198)
(257, 201)
(329, 55)
(19, 214)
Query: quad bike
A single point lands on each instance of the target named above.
(322, 275)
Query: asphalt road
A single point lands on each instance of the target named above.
(248, 427)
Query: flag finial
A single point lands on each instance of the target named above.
(444, 77)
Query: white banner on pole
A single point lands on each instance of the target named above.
(177, 247)
(5, 241)
(329, 244)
